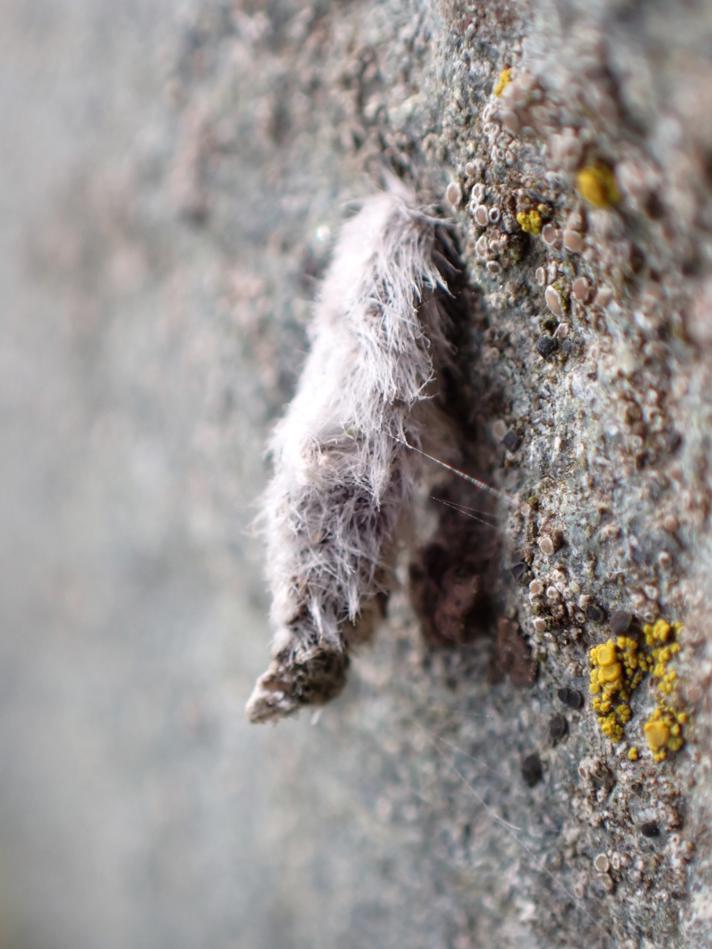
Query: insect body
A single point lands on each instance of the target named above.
(343, 468)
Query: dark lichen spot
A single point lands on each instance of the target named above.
(532, 771)
(673, 441)
(558, 728)
(570, 697)
(546, 345)
(620, 622)
(511, 440)
(650, 829)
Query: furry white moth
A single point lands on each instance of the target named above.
(343, 468)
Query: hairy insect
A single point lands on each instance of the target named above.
(343, 465)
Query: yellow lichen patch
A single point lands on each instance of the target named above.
(617, 669)
(658, 633)
(663, 729)
(605, 654)
(615, 674)
(597, 184)
(530, 221)
(657, 734)
(503, 80)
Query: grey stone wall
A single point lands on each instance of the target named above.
(173, 184)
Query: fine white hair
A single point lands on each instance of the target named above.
(343, 470)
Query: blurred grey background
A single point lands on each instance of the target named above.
(135, 803)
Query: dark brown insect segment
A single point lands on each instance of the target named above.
(309, 675)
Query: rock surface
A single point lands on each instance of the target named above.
(173, 184)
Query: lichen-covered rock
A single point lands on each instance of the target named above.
(460, 792)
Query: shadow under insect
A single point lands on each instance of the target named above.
(456, 586)
(458, 580)
(451, 578)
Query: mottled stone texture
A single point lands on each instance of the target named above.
(172, 188)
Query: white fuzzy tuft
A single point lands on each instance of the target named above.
(342, 470)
